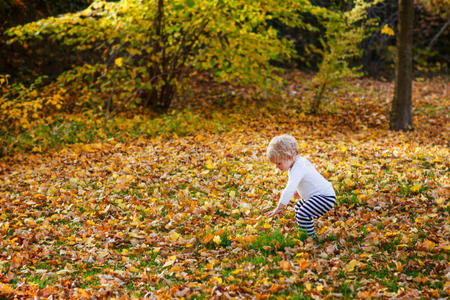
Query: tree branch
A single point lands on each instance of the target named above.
(436, 37)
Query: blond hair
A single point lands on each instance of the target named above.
(282, 147)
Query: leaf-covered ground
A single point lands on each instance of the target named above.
(183, 216)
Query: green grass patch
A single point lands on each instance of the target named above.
(258, 260)
(407, 190)
(345, 289)
(391, 245)
(41, 282)
(271, 242)
(348, 198)
(391, 283)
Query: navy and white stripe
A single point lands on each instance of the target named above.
(314, 207)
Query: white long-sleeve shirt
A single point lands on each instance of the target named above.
(305, 179)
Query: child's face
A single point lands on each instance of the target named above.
(284, 164)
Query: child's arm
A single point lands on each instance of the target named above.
(280, 207)
(289, 191)
(276, 211)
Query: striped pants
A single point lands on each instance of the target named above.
(314, 207)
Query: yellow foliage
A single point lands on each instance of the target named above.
(30, 106)
(387, 30)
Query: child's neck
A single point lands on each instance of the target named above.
(293, 162)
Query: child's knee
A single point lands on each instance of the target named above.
(302, 211)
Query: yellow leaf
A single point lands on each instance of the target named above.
(365, 255)
(83, 293)
(334, 178)
(415, 188)
(119, 61)
(200, 138)
(351, 265)
(5, 227)
(209, 165)
(343, 148)
(30, 222)
(445, 247)
(430, 245)
(217, 239)
(238, 270)
(439, 201)
(174, 236)
(232, 194)
(322, 229)
(216, 280)
(348, 182)
(244, 206)
(170, 261)
(390, 233)
(267, 226)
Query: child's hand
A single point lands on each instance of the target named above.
(276, 211)
(296, 195)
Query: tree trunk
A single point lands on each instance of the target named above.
(318, 99)
(401, 118)
(153, 98)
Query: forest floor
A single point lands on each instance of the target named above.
(181, 213)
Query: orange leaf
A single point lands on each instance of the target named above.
(208, 238)
(303, 264)
(5, 289)
(275, 288)
(249, 238)
(39, 197)
(285, 265)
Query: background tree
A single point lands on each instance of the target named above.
(36, 57)
(340, 45)
(149, 47)
(401, 116)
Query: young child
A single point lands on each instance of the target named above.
(318, 195)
